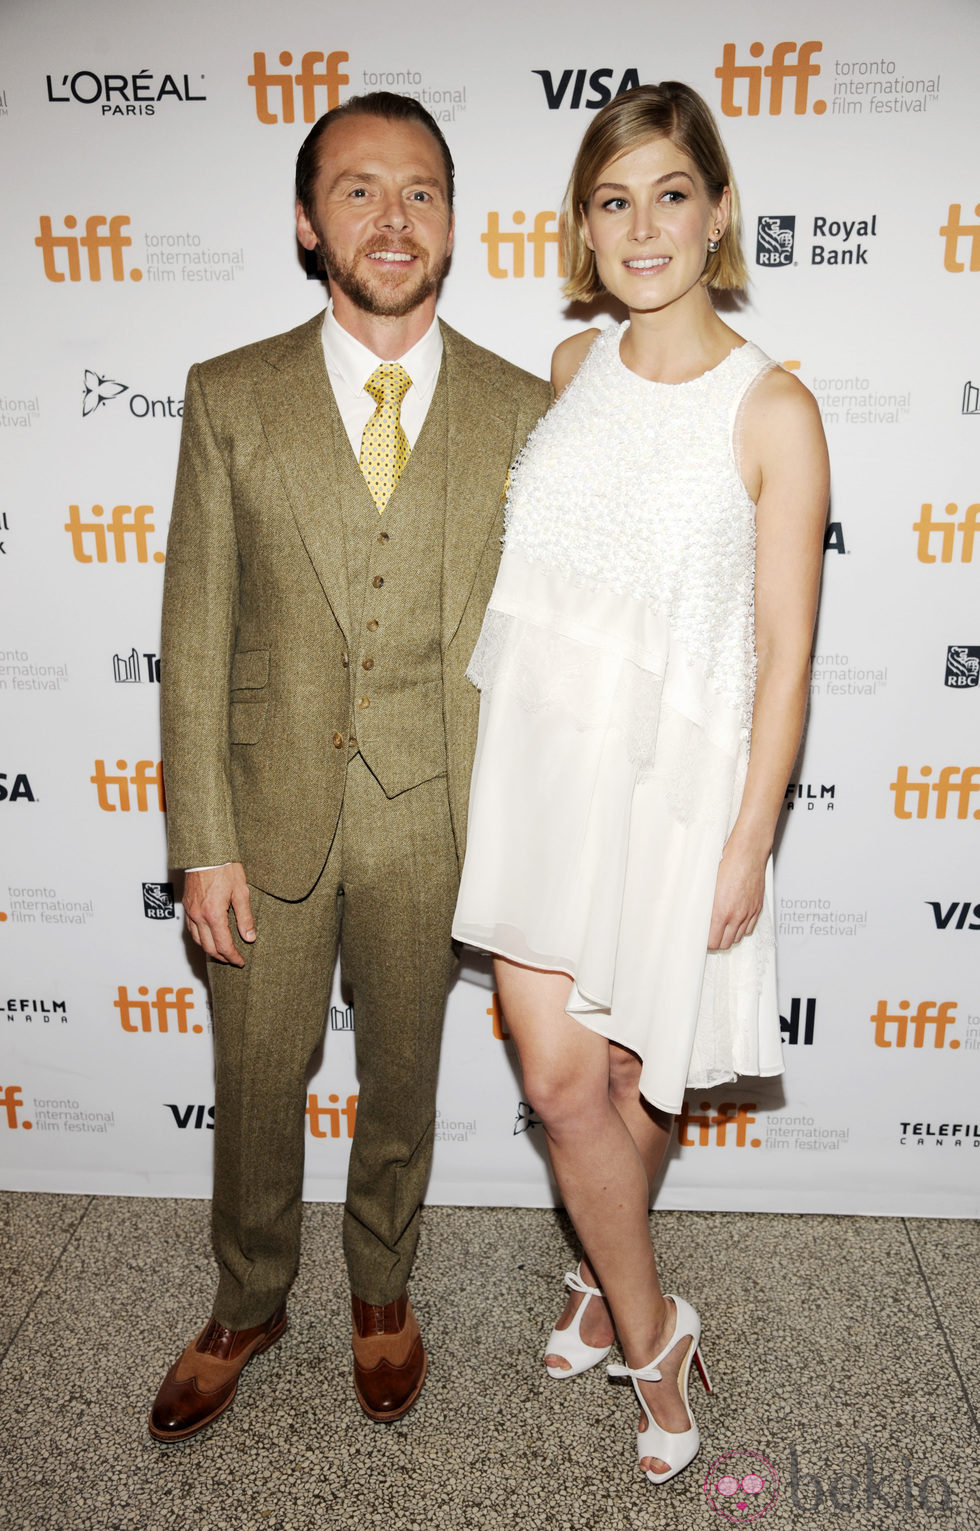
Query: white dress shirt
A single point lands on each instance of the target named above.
(349, 365)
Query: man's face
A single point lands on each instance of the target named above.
(381, 218)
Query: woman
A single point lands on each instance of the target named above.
(644, 665)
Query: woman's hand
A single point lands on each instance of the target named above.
(739, 891)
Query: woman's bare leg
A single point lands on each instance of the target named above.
(599, 1168)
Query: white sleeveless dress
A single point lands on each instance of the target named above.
(617, 671)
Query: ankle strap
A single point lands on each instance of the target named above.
(575, 1284)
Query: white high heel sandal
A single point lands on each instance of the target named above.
(568, 1343)
(677, 1448)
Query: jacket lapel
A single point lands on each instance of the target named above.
(480, 444)
(297, 410)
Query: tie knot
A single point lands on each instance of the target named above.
(388, 384)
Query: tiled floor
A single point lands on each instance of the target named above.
(843, 1351)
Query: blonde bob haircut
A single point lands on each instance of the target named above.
(669, 110)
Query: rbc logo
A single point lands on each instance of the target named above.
(962, 666)
(93, 242)
(539, 237)
(777, 72)
(774, 240)
(600, 84)
(309, 81)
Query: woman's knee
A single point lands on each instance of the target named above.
(624, 1076)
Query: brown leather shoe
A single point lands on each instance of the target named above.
(202, 1383)
(389, 1358)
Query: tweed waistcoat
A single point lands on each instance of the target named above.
(394, 580)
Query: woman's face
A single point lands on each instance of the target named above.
(648, 221)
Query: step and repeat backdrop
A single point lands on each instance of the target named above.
(148, 161)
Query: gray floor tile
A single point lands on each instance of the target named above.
(949, 1254)
(827, 1357)
(33, 1233)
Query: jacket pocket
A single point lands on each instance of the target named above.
(250, 669)
(246, 721)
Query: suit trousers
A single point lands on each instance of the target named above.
(386, 894)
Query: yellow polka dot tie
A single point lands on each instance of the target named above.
(384, 445)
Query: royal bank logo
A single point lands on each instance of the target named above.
(158, 901)
(798, 1027)
(167, 1011)
(541, 237)
(743, 86)
(963, 666)
(122, 95)
(333, 1120)
(318, 82)
(810, 796)
(98, 391)
(62, 253)
(930, 532)
(775, 239)
(133, 669)
(128, 529)
(955, 916)
(15, 787)
(586, 88)
(112, 790)
(723, 1126)
(960, 238)
(930, 1019)
(971, 399)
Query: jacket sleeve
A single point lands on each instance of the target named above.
(200, 608)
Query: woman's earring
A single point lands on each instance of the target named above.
(713, 244)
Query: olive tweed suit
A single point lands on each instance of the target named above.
(318, 727)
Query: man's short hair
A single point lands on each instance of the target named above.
(376, 103)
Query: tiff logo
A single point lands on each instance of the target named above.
(309, 80)
(12, 1103)
(498, 1025)
(945, 788)
(927, 527)
(333, 1113)
(118, 530)
(962, 666)
(927, 1013)
(952, 231)
(166, 1004)
(147, 776)
(127, 671)
(93, 242)
(777, 72)
(713, 1122)
(539, 237)
(790, 1028)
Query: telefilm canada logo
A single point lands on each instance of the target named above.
(123, 95)
(963, 666)
(99, 390)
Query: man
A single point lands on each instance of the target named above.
(334, 540)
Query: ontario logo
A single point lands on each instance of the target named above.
(319, 88)
(789, 62)
(101, 234)
(775, 239)
(98, 390)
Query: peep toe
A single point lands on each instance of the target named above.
(568, 1343)
(677, 1448)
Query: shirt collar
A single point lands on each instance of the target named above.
(354, 363)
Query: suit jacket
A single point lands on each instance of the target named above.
(257, 613)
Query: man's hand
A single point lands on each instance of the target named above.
(208, 896)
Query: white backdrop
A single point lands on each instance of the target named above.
(148, 161)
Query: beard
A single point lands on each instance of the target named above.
(374, 297)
